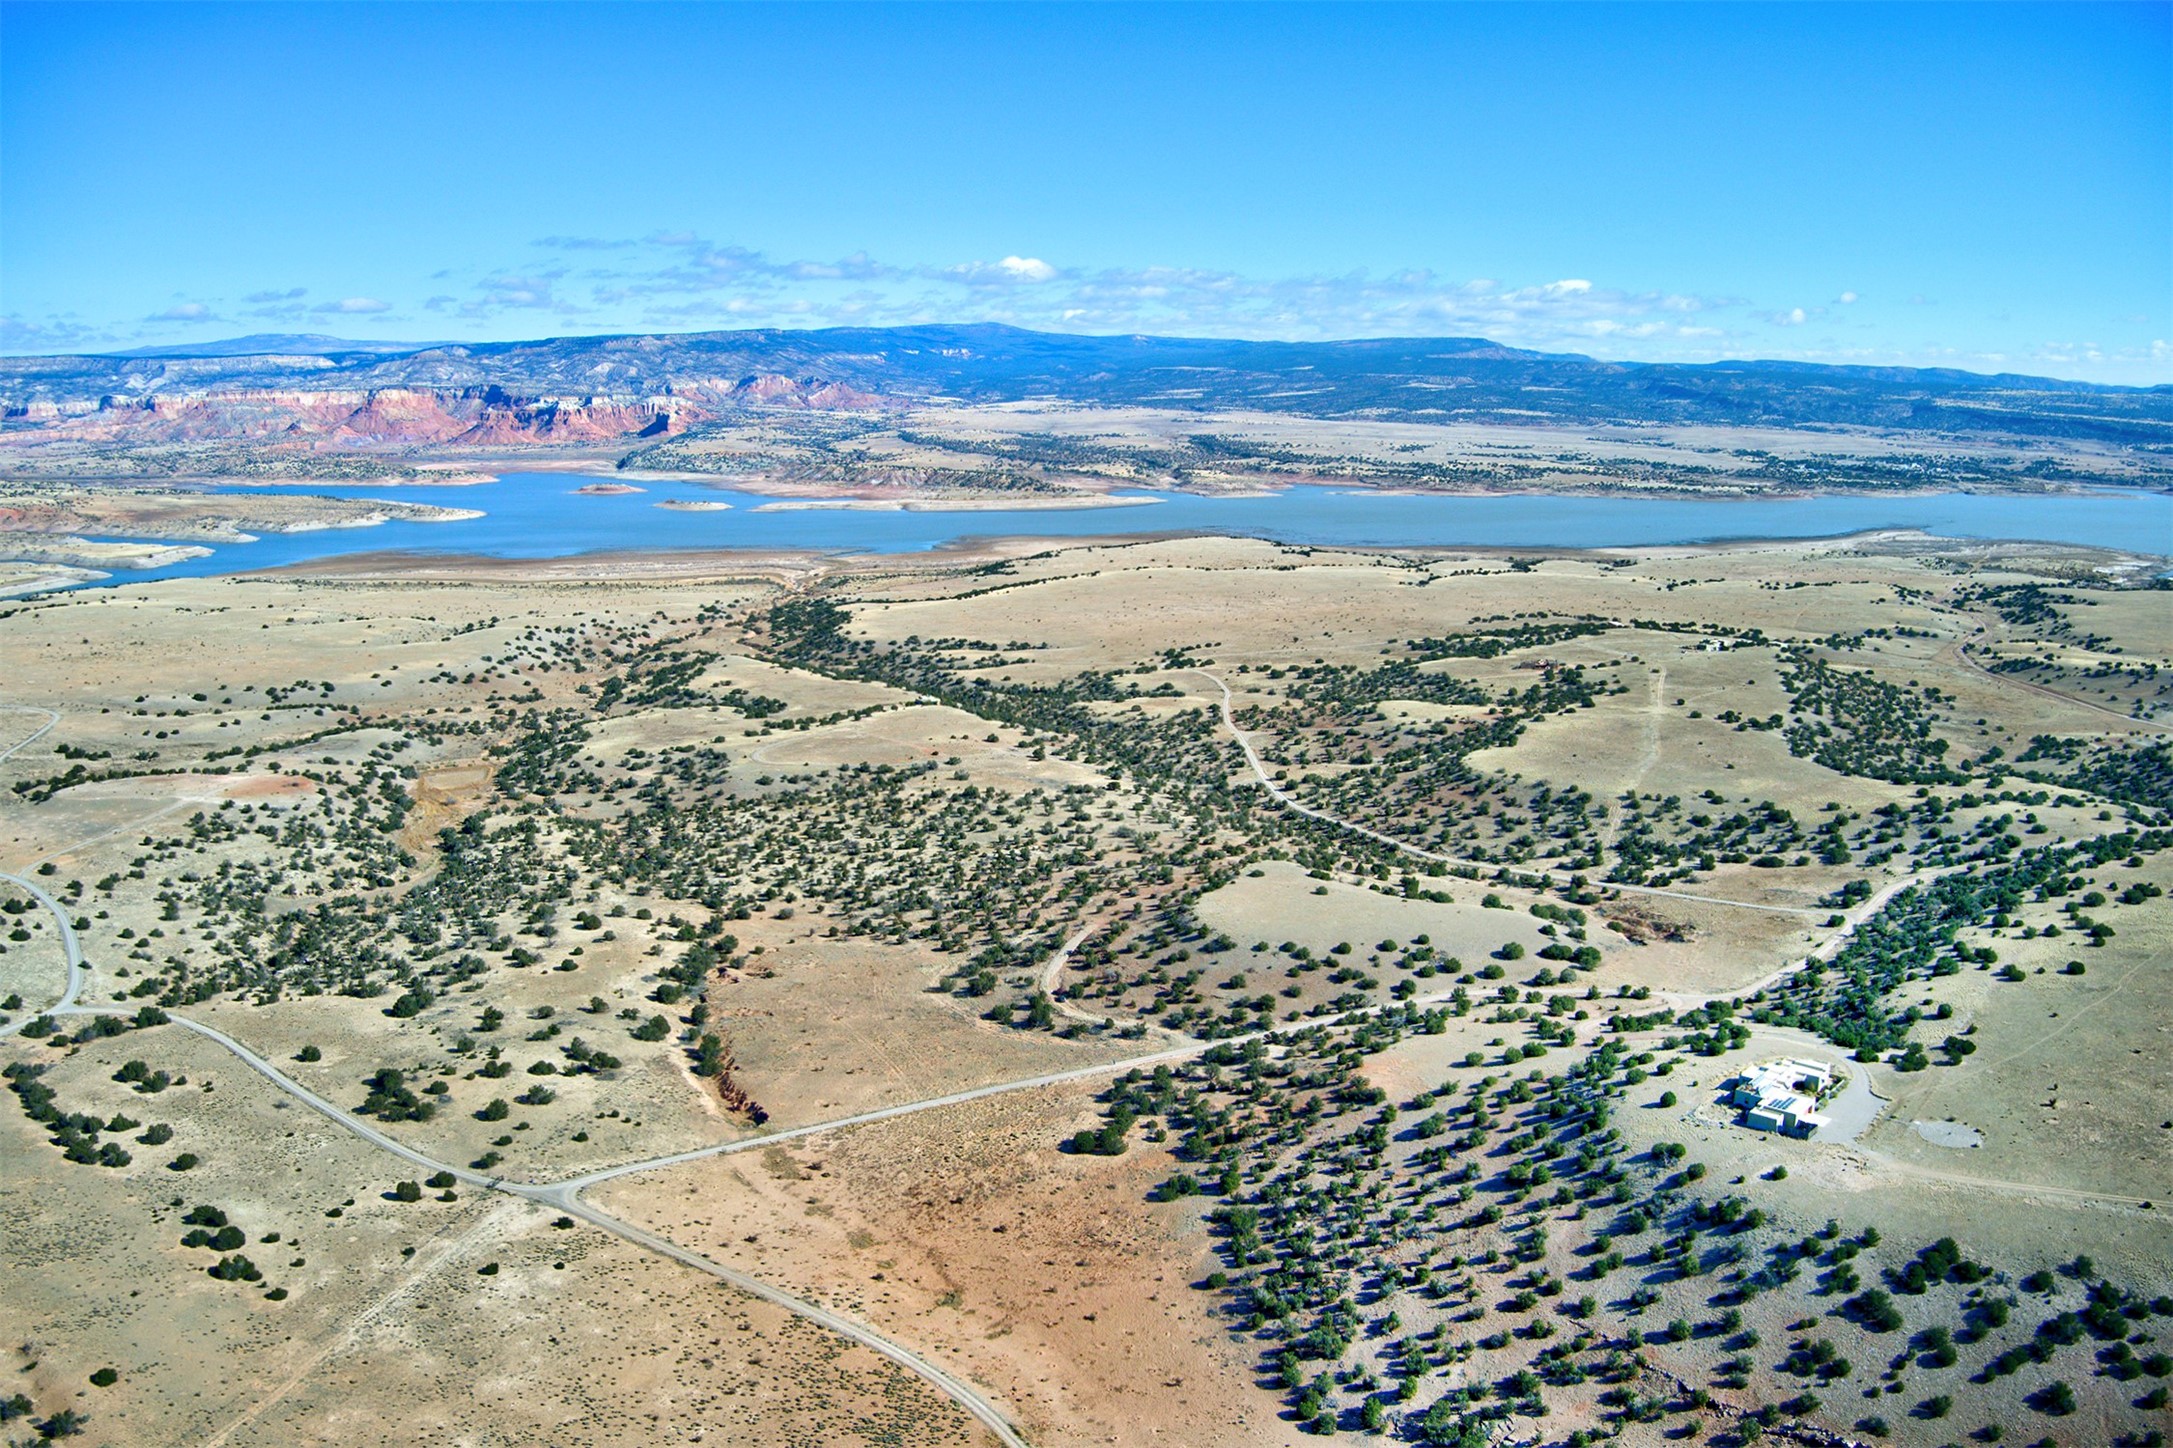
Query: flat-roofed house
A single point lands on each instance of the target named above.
(1782, 1096)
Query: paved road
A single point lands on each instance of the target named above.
(1288, 801)
(71, 950)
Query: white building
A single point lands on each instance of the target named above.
(1783, 1096)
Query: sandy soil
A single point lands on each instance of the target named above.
(86, 553)
(416, 1323)
(187, 514)
(1049, 1279)
(1044, 1277)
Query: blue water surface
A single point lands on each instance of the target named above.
(541, 515)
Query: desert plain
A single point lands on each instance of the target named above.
(1173, 991)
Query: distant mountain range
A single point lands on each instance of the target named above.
(277, 344)
(591, 388)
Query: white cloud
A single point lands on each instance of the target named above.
(1011, 271)
(518, 292)
(54, 334)
(677, 281)
(584, 243)
(688, 280)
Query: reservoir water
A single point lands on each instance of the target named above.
(541, 515)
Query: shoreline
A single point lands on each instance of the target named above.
(1033, 503)
(1271, 488)
(549, 548)
(611, 481)
(679, 564)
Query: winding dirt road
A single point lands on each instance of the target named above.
(51, 719)
(567, 1195)
(1284, 798)
(71, 951)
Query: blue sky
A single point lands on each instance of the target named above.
(1985, 187)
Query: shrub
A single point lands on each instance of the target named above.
(236, 1268)
(1875, 1310)
(2055, 1398)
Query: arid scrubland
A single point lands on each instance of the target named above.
(1347, 949)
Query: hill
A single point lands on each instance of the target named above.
(1417, 379)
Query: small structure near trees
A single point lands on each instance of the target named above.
(1783, 1096)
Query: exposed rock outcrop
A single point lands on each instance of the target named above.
(386, 417)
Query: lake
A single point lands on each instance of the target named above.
(540, 515)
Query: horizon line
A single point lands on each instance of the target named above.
(326, 344)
